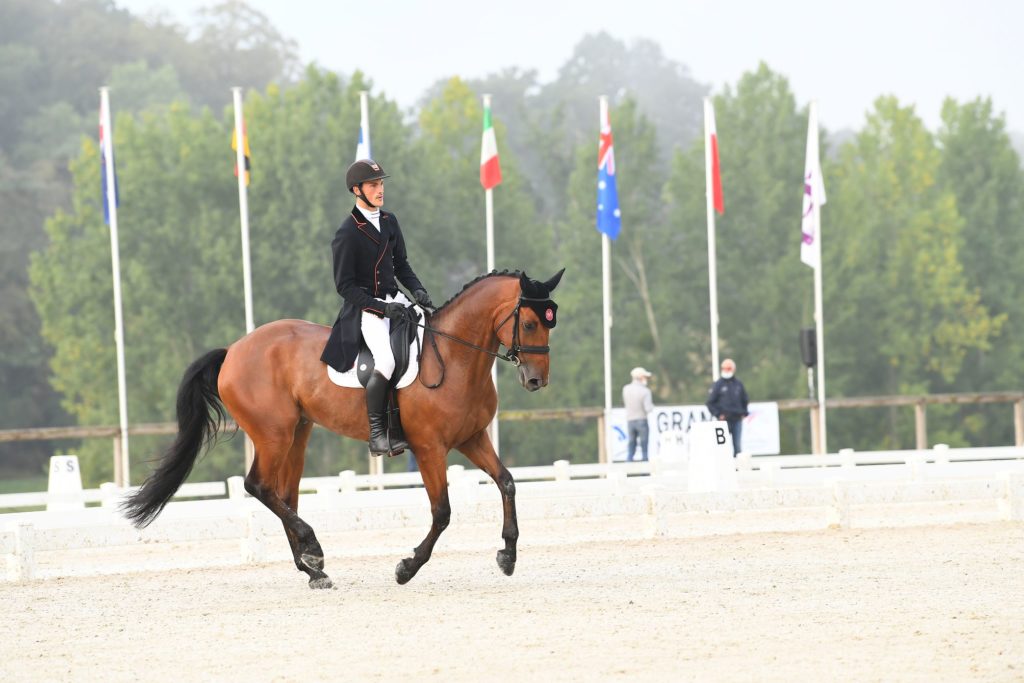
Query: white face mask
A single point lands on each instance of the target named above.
(727, 374)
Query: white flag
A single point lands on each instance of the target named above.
(363, 146)
(814, 197)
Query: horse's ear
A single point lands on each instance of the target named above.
(553, 282)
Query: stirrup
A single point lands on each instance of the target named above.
(378, 454)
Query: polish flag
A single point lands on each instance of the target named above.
(716, 170)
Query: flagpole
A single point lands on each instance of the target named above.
(819, 317)
(606, 309)
(115, 263)
(712, 269)
(243, 208)
(606, 292)
(489, 212)
(375, 466)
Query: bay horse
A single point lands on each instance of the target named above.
(274, 385)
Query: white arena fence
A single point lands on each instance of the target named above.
(826, 490)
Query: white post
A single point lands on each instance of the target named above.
(115, 261)
(606, 292)
(712, 270)
(819, 318)
(489, 211)
(243, 209)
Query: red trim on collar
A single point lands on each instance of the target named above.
(367, 232)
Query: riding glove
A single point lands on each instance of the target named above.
(422, 298)
(394, 310)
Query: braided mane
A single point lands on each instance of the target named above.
(493, 273)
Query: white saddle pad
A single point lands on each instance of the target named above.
(351, 380)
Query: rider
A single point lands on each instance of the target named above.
(369, 254)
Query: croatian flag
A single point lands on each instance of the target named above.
(107, 148)
(814, 197)
(609, 220)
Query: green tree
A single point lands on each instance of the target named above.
(981, 168)
(902, 316)
(137, 86)
(53, 57)
(764, 292)
(178, 253)
(577, 357)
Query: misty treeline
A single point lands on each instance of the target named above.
(922, 229)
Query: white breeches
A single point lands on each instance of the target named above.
(376, 332)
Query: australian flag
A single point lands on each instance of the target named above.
(609, 220)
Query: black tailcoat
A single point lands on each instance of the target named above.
(366, 265)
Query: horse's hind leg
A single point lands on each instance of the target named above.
(274, 481)
(481, 453)
(288, 491)
(433, 470)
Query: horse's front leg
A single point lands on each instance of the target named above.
(434, 471)
(481, 453)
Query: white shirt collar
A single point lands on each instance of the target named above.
(372, 216)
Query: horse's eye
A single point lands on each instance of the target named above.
(529, 326)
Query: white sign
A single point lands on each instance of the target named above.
(711, 466)
(65, 485)
(760, 428)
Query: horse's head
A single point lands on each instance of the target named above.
(526, 338)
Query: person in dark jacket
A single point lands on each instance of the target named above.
(369, 262)
(727, 400)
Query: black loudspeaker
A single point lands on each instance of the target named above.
(809, 347)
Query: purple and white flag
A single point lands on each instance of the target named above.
(814, 197)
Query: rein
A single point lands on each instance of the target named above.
(511, 355)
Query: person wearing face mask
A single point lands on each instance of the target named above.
(727, 400)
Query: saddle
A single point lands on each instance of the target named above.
(404, 334)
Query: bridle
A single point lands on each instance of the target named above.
(511, 355)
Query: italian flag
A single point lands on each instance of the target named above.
(490, 169)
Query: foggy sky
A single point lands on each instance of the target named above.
(842, 54)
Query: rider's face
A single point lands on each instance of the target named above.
(374, 191)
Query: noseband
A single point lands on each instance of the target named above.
(513, 352)
(511, 355)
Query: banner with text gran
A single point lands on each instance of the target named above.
(760, 428)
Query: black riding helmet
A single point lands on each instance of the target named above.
(361, 171)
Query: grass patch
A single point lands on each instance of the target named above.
(24, 484)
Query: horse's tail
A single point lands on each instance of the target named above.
(197, 428)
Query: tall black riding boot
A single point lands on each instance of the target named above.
(376, 399)
(396, 435)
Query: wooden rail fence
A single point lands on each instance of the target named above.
(919, 403)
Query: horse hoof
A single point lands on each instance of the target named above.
(314, 562)
(507, 562)
(405, 571)
(320, 583)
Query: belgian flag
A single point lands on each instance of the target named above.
(245, 151)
